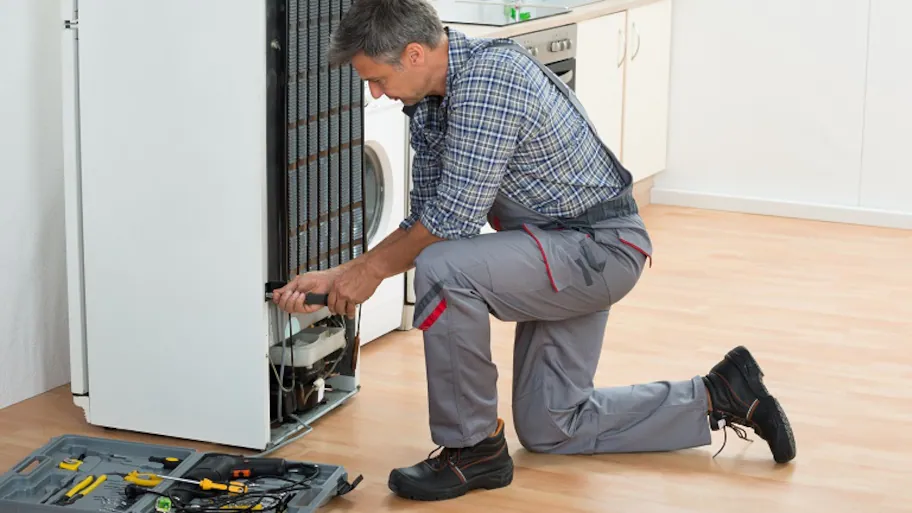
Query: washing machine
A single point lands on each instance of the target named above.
(385, 191)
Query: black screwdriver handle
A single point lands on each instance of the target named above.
(316, 299)
(309, 298)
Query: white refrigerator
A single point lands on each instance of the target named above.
(210, 152)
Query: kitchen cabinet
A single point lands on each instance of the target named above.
(885, 176)
(647, 66)
(600, 46)
(767, 106)
(623, 62)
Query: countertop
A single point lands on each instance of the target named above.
(576, 15)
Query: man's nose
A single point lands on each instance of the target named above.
(375, 91)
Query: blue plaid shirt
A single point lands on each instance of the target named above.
(502, 126)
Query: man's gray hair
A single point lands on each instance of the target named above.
(383, 28)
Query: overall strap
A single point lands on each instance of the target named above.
(623, 204)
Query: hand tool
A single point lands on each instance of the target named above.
(253, 468)
(72, 463)
(221, 467)
(147, 480)
(109, 456)
(309, 298)
(83, 488)
(170, 462)
(208, 484)
(65, 483)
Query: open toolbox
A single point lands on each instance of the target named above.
(138, 478)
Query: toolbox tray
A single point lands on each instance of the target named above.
(38, 478)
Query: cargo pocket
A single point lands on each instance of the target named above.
(637, 241)
(554, 260)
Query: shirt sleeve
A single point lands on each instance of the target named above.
(487, 119)
(425, 174)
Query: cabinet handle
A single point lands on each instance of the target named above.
(622, 45)
(637, 33)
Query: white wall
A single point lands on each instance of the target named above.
(34, 355)
(768, 110)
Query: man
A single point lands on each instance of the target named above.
(497, 138)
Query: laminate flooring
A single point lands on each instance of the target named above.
(826, 309)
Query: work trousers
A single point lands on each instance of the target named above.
(558, 286)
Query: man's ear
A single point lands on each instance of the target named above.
(414, 54)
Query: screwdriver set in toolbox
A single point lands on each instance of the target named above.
(77, 473)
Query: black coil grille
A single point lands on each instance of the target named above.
(323, 125)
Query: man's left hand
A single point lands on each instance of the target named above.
(355, 285)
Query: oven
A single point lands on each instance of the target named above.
(556, 49)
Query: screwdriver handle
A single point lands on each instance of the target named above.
(316, 299)
(233, 487)
(310, 298)
(169, 462)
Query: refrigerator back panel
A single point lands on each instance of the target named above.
(324, 134)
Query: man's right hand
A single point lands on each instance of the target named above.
(290, 298)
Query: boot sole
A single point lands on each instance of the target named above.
(495, 479)
(782, 440)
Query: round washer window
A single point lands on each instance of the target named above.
(373, 193)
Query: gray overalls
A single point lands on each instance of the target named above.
(557, 279)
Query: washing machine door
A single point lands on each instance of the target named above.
(375, 190)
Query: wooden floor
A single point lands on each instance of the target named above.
(826, 309)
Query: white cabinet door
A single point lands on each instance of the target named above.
(766, 103)
(600, 74)
(886, 179)
(646, 91)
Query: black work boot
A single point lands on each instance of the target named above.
(454, 472)
(737, 395)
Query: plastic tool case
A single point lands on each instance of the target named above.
(38, 481)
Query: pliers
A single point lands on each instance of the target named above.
(83, 488)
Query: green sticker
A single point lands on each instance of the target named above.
(163, 505)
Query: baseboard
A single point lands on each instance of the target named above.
(829, 213)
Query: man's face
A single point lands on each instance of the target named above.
(407, 82)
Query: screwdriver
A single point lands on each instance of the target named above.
(208, 484)
(309, 298)
(170, 462)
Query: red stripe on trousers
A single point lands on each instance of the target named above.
(432, 318)
(544, 257)
(634, 246)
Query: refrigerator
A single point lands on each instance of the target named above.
(211, 155)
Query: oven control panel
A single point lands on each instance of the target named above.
(550, 45)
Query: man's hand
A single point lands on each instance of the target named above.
(355, 284)
(347, 287)
(291, 297)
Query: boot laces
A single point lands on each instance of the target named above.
(445, 456)
(725, 421)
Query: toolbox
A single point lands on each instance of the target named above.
(139, 478)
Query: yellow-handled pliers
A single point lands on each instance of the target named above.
(83, 488)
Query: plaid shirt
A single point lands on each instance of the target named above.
(501, 127)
